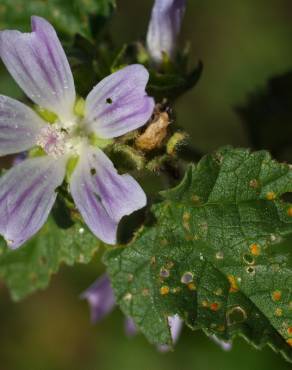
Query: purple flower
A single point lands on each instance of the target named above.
(100, 297)
(226, 346)
(175, 324)
(130, 327)
(164, 27)
(115, 106)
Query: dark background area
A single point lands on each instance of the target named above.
(242, 44)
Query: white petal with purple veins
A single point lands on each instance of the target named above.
(164, 27)
(27, 194)
(103, 196)
(19, 126)
(119, 103)
(39, 65)
(175, 325)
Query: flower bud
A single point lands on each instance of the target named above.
(164, 28)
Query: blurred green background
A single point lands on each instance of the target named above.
(242, 44)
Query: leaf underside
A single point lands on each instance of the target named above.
(211, 254)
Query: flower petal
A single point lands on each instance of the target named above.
(175, 324)
(19, 126)
(27, 194)
(130, 327)
(100, 297)
(225, 346)
(164, 27)
(103, 196)
(119, 103)
(39, 65)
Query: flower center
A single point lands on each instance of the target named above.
(59, 139)
(52, 140)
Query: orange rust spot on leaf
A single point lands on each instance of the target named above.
(289, 341)
(186, 220)
(233, 284)
(270, 195)
(192, 286)
(255, 249)
(186, 216)
(277, 295)
(289, 330)
(278, 312)
(205, 303)
(254, 183)
(169, 264)
(289, 212)
(164, 290)
(214, 306)
(195, 198)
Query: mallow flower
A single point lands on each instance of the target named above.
(116, 105)
(164, 27)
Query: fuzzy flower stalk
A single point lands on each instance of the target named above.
(164, 28)
(70, 142)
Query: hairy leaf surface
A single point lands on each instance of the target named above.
(30, 267)
(211, 254)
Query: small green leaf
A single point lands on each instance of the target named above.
(68, 16)
(30, 267)
(211, 254)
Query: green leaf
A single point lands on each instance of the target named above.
(211, 254)
(68, 16)
(30, 267)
